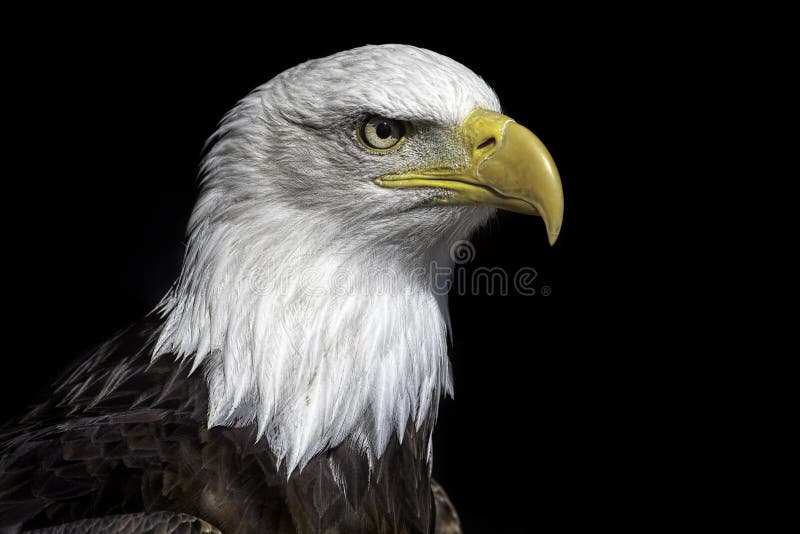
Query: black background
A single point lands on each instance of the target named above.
(554, 420)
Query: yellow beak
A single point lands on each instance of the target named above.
(509, 169)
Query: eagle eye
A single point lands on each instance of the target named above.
(382, 134)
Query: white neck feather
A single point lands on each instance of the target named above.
(305, 336)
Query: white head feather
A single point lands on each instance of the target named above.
(306, 293)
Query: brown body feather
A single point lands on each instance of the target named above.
(121, 435)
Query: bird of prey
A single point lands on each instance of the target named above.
(290, 379)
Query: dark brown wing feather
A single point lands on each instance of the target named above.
(143, 523)
(120, 435)
(447, 521)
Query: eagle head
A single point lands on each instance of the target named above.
(327, 195)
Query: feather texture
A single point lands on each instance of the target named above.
(102, 446)
(153, 523)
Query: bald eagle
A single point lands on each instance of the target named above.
(290, 379)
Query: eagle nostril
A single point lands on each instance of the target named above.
(488, 143)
